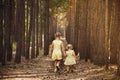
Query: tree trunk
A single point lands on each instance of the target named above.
(37, 27)
(20, 25)
(76, 27)
(68, 28)
(7, 28)
(52, 26)
(29, 27)
(113, 31)
(107, 46)
(33, 30)
(71, 23)
(96, 26)
(118, 35)
(40, 24)
(46, 28)
(118, 71)
(82, 35)
(1, 33)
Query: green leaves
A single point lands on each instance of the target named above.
(59, 5)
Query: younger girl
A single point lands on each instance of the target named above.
(70, 57)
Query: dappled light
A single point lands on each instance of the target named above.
(37, 71)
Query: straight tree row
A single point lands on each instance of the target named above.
(95, 30)
(20, 29)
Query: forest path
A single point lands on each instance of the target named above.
(41, 69)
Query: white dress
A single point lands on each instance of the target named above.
(70, 59)
(57, 53)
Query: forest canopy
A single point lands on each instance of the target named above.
(59, 5)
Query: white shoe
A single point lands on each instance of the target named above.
(55, 70)
(57, 64)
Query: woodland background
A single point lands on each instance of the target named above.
(27, 28)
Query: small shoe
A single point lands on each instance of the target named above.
(58, 68)
(71, 71)
(65, 71)
(55, 70)
(57, 64)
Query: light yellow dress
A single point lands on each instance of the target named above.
(57, 53)
(70, 59)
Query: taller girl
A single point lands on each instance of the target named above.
(56, 51)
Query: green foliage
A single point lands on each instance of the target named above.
(59, 5)
(14, 46)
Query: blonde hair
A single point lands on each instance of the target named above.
(69, 46)
(57, 34)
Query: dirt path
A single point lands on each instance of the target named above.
(41, 69)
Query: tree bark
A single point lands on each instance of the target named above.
(20, 25)
(1, 33)
(46, 28)
(113, 31)
(37, 27)
(8, 26)
(118, 35)
(107, 46)
(76, 27)
(29, 27)
(40, 24)
(33, 29)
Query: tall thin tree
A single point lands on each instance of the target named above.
(1, 32)
(28, 31)
(8, 26)
(20, 25)
(37, 27)
(46, 28)
(33, 29)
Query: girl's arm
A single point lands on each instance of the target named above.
(63, 50)
(74, 54)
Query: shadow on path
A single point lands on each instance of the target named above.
(42, 69)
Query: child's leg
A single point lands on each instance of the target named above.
(55, 66)
(68, 68)
(71, 68)
(58, 63)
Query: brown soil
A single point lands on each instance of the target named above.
(42, 69)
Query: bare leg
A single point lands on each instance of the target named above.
(68, 68)
(58, 65)
(71, 68)
(55, 64)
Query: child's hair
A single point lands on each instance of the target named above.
(69, 46)
(57, 34)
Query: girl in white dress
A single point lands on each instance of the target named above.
(70, 57)
(56, 50)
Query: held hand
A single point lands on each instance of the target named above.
(50, 55)
(65, 55)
